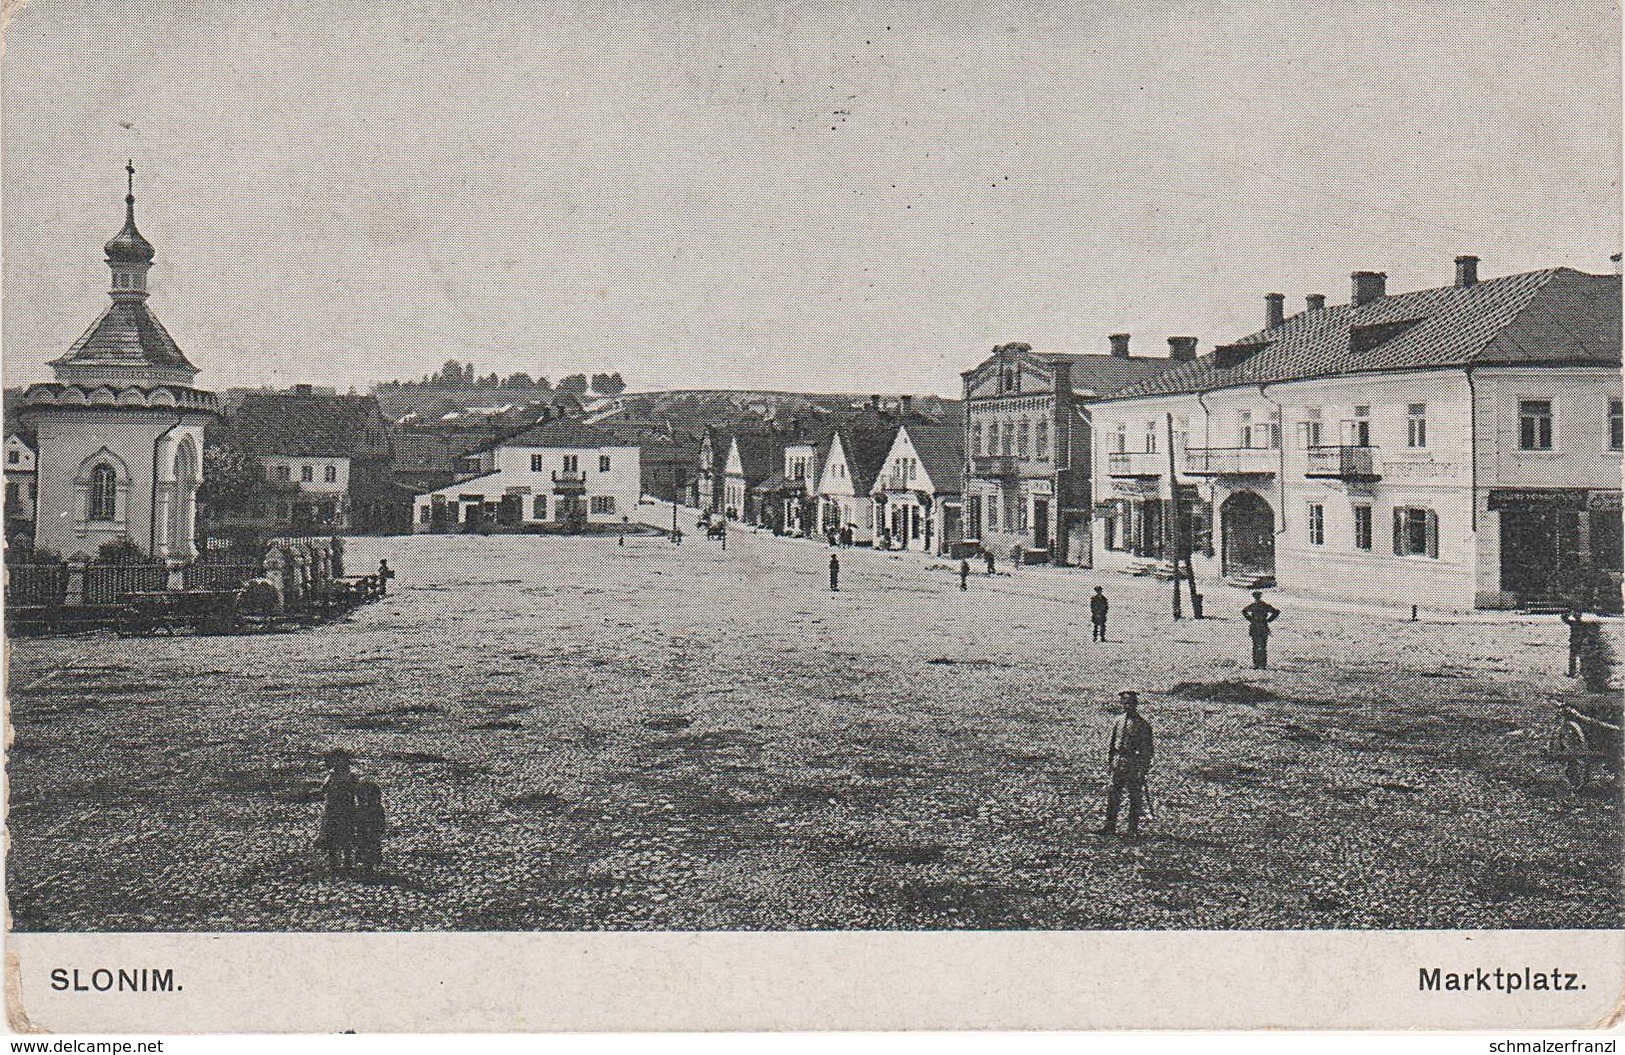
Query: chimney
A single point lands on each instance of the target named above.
(1119, 345)
(1466, 271)
(1182, 349)
(1369, 286)
(906, 405)
(1315, 301)
(1274, 310)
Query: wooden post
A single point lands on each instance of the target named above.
(1172, 533)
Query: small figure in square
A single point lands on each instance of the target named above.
(1579, 637)
(369, 826)
(964, 574)
(337, 834)
(1098, 609)
(834, 572)
(987, 557)
(385, 573)
(1128, 758)
(1259, 615)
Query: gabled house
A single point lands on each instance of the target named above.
(849, 462)
(751, 460)
(22, 483)
(918, 492)
(1455, 447)
(336, 451)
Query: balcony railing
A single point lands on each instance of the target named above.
(1343, 463)
(1231, 461)
(1132, 464)
(569, 482)
(993, 465)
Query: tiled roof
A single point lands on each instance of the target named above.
(942, 454)
(313, 425)
(770, 485)
(760, 453)
(866, 448)
(126, 334)
(1101, 374)
(1554, 316)
(565, 434)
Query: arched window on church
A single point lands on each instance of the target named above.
(103, 493)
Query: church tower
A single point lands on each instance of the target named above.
(120, 430)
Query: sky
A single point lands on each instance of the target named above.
(824, 196)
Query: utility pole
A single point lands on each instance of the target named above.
(1173, 533)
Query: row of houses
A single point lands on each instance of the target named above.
(1456, 446)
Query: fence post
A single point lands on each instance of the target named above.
(76, 578)
(175, 577)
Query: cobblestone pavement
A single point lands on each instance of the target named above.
(577, 735)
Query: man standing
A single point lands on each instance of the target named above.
(987, 555)
(1579, 631)
(834, 573)
(1259, 615)
(964, 574)
(1129, 761)
(1098, 607)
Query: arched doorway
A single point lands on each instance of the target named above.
(183, 509)
(1248, 526)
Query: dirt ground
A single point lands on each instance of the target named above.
(577, 735)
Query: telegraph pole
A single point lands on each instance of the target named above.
(1173, 534)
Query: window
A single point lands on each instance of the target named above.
(1120, 440)
(1009, 438)
(1310, 427)
(1416, 532)
(976, 439)
(1362, 527)
(1021, 516)
(1245, 431)
(1416, 425)
(12, 458)
(331, 474)
(1151, 437)
(103, 493)
(425, 514)
(1182, 433)
(1041, 439)
(1616, 426)
(1272, 431)
(538, 463)
(538, 508)
(1360, 427)
(1535, 424)
(1317, 524)
(1022, 431)
(572, 463)
(603, 463)
(603, 505)
(993, 512)
(284, 473)
(306, 474)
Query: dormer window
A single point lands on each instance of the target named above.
(1366, 338)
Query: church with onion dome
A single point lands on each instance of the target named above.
(120, 431)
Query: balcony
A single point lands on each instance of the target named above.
(998, 465)
(1358, 464)
(1231, 461)
(1136, 465)
(569, 482)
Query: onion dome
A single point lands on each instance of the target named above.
(128, 246)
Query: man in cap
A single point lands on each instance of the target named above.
(1259, 615)
(1129, 760)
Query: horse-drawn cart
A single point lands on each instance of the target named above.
(1586, 739)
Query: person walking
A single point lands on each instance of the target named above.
(834, 573)
(337, 834)
(724, 537)
(1128, 760)
(987, 556)
(964, 574)
(1259, 615)
(1579, 637)
(1098, 608)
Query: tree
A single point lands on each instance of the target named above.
(575, 384)
(519, 379)
(544, 384)
(608, 384)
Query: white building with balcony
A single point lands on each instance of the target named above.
(1455, 447)
(563, 473)
(919, 491)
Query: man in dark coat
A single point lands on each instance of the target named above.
(964, 574)
(1259, 615)
(1128, 760)
(987, 555)
(1098, 607)
(1579, 636)
(834, 572)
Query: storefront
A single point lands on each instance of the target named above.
(1560, 545)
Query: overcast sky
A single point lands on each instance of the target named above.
(815, 196)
